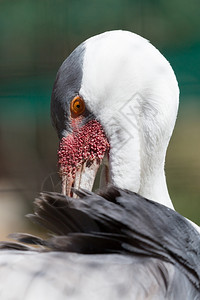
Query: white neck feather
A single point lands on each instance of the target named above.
(133, 91)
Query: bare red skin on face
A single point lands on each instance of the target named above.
(87, 143)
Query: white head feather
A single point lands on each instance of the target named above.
(132, 90)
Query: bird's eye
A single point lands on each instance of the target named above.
(77, 106)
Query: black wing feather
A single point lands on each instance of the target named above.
(116, 221)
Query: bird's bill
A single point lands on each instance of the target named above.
(80, 155)
(84, 178)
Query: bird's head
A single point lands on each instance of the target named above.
(115, 97)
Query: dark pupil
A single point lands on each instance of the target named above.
(78, 105)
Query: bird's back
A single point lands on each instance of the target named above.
(115, 246)
(58, 275)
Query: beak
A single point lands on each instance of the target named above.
(80, 155)
(84, 178)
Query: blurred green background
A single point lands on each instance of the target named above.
(35, 37)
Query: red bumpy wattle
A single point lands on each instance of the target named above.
(87, 143)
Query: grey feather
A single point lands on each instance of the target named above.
(66, 87)
(127, 247)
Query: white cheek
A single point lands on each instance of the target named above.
(132, 91)
(125, 160)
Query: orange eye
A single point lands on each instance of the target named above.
(77, 106)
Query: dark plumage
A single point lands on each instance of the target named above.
(71, 81)
(155, 239)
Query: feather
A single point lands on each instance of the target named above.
(119, 222)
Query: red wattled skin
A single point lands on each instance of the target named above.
(87, 143)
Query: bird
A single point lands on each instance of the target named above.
(114, 105)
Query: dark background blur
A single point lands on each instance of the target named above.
(35, 37)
